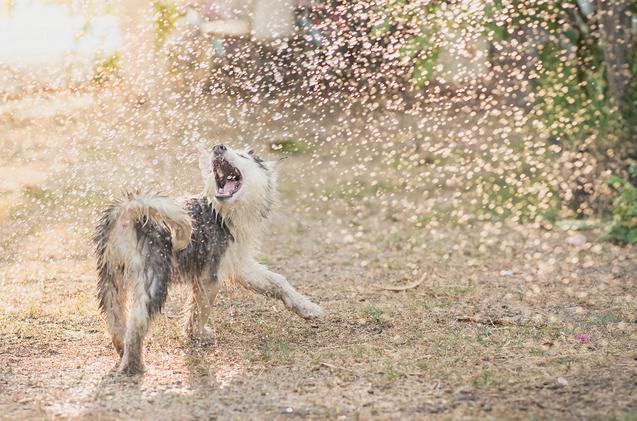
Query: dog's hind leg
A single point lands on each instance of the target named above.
(259, 278)
(203, 297)
(151, 272)
(112, 301)
(149, 297)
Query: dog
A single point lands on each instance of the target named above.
(146, 242)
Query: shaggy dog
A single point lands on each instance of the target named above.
(145, 242)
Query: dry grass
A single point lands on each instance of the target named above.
(533, 331)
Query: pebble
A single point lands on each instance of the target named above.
(577, 240)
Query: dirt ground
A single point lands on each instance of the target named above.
(494, 320)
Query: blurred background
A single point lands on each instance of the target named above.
(545, 89)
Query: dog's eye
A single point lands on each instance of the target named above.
(243, 156)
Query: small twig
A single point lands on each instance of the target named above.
(489, 322)
(408, 286)
(345, 345)
(336, 367)
(415, 374)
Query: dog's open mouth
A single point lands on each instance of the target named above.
(227, 177)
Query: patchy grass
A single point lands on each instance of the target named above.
(486, 379)
(372, 313)
(273, 350)
(39, 194)
(626, 416)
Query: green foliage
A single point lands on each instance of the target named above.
(562, 58)
(494, 30)
(106, 70)
(422, 49)
(166, 17)
(569, 78)
(426, 52)
(624, 225)
(572, 91)
(573, 100)
(528, 199)
(287, 147)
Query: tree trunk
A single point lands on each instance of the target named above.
(615, 25)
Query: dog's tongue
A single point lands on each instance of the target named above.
(228, 189)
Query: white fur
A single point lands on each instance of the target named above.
(244, 214)
(123, 242)
(243, 210)
(259, 278)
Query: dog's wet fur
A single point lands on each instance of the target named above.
(145, 242)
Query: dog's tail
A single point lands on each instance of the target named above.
(116, 236)
(160, 209)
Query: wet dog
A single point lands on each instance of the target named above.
(145, 242)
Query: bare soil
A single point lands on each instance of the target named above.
(498, 320)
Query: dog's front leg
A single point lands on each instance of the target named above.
(204, 292)
(259, 278)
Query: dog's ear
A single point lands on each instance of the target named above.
(205, 162)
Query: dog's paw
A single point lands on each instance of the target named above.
(309, 310)
(205, 337)
(130, 368)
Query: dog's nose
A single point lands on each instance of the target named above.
(219, 149)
